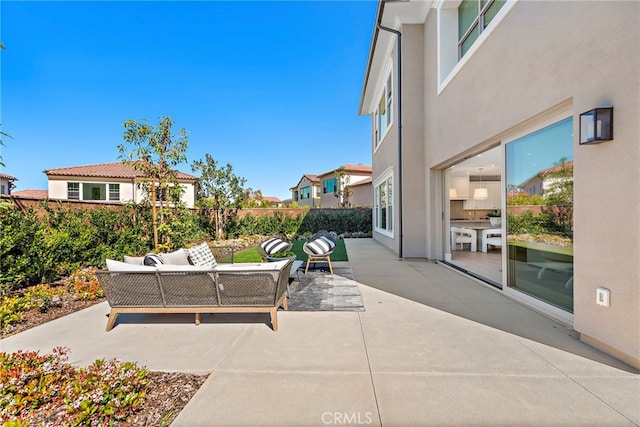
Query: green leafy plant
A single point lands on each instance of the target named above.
(282, 254)
(100, 394)
(84, 284)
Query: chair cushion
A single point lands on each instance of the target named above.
(201, 255)
(179, 257)
(273, 245)
(320, 246)
(152, 260)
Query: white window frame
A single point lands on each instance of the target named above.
(79, 188)
(389, 228)
(386, 97)
(109, 192)
(449, 65)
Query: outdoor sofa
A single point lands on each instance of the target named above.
(131, 287)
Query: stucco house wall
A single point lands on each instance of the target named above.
(543, 62)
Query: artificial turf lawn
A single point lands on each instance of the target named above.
(252, 255)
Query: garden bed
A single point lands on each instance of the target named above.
(167, 393)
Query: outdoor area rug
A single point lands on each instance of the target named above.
(321, 291)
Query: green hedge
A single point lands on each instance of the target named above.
(341, 221)
(34, 250)
(46, 244)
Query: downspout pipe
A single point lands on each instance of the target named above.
(399, 97)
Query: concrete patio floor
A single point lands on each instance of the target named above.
(432, 348)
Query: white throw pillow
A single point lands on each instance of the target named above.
(137, 260)
(201, 255)
(179, 257)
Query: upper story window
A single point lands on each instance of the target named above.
(305, 193)
(73, 191)
(3, 189)
(463, 26)
(383, 115)
(473, 17)
(329, 186)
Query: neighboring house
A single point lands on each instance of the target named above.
(307, 192)
(266, 201)
(273, 201)
(108, 183)
(353, 175)
(362, 193)
(514, 77)
(6, 183)
(541, 182)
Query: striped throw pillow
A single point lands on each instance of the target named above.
(320, 246)
(273, 245)
(152, 260)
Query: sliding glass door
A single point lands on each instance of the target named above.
(539, 217)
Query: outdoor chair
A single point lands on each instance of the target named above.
(319, 249)
(273, 245)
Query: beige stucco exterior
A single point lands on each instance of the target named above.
(314, 192)
(360, 189)
(541, 62)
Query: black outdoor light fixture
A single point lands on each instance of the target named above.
(596, 126)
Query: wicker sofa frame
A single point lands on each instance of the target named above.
(234, 288)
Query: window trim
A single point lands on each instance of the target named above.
(109, 192)
(383, 179)
(302, 195)
(325, 185)
(446, 11)
(387, 91)
(77, 184)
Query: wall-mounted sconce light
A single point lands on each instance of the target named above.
(453, 193)
(596, 126)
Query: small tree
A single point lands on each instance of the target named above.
(220, 191)
(155, 152)
(558, 196)
(343, 187)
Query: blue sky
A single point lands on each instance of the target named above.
(271, 87)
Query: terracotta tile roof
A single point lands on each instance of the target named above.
(351, 168)
(31, 194)
(272, 199)
(106, 170)
(9, 177)
(557, 168)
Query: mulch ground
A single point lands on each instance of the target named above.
(167, 393)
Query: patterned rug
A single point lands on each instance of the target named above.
(318, 290)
